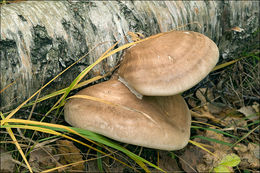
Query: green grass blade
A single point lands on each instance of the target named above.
(215, 130)
(99, 161)
(253, 123)
(212, 140)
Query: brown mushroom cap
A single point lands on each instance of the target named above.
(168, 64)
(154, 122)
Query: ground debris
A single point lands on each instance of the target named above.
(249, 155)
(168, 163)
(250, 111)
(6, 163)
(70, 154)
(201, 160)
(42, 158)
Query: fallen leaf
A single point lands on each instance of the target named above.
(249, 112)
(204, 161)
(204, 95)
(167, 163)
(221, 169)
(215, 108)
(70, 154)
(230, 160)
(203, 112)
(256, 106)
(206, 98)
(6, 164)
(248, 156)
(41, 158)
(109, 165)
(256, 152)
(191, 158)
(192, 102)
(235, 122)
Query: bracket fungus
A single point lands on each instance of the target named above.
(159, 68)
(153, 122)
(168, 64)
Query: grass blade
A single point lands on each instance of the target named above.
(11, 134)
(90, 136)
(200, 146)
(215, 130)
(212, 140)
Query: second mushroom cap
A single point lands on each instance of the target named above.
(168, 64)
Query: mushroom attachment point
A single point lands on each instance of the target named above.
(153, 122)
(168, 64)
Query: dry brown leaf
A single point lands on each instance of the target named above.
(192, 102)
(235, 122)
(109, 165)
(204, 95)
(204, 113)
(201, 160)
(220, 137)
(256, 106)
(70, 154)
(42, 158)
(6, 164)
(215, 108)
(220, 151)
(249, 112)
(248, 155)
(191, 157)
(167, 163)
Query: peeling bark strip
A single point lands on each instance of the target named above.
(40, 39)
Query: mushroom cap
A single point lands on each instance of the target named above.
(154, 122)
(168, 64)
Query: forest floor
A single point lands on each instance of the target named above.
(224, 133)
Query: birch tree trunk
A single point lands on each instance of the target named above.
(40, 39)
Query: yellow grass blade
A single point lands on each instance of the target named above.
(200, 146)
(64, 166)
(49, 131)
(11, 134)
(225, 64)
(43, 124)
(131, 155)
(56, 93)
(84, 72)
(230, 62)
(2, 90)
(193, 121)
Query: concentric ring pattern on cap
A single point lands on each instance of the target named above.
(169, 64)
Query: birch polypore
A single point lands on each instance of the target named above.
(154, 122)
